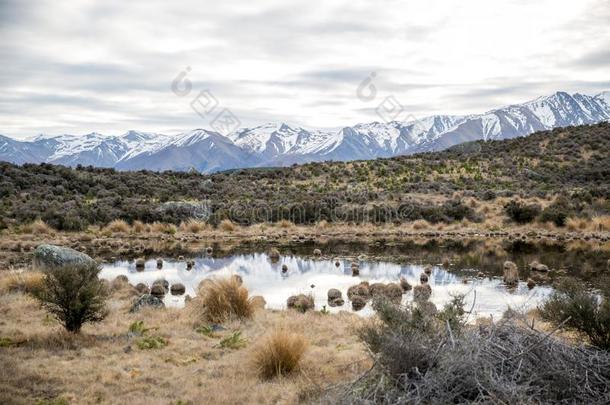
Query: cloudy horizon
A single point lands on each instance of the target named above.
(81, 66)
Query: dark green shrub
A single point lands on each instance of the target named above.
(557, 212)
(581, 310)
(521, 213)
(74, 295)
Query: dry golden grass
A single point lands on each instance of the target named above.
(23, 281)
(420, 224)
(140, 227)
(97, 367)
(226, 225)
(279, 353)
(223, 299)
(160, 227)
(285, 224)
(577, 224)
(193, 226)
(37, 227)
(117, 226)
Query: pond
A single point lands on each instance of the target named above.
(306, 275)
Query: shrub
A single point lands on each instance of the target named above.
(223, 299)
(279, 353)
(139, 227)
(421, 360)
(117, 226)
(557, 212)
(522, 213)
(74, 295)
(581, 310)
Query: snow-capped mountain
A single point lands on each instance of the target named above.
(282, 144)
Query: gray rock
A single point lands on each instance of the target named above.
(146, 300)
(51, 256)
(177, 289)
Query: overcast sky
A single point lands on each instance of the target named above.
(77, 66)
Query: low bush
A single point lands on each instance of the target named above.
(226, 225)
(521, 213)
(223, 299)
(572, 306)
(74, 295)
(423, 359)
(279, 353)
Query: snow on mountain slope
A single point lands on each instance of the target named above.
(282, 144)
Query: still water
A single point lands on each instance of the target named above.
(316, 276)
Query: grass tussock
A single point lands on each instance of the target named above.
(278, 354)
(22, 281)
(223, 299)
(227, 225)
(160, 227)
(140, 227)
(117, 226)
(37, 227)
(193, 226)
(421, 224)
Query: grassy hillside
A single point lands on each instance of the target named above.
(571, 162)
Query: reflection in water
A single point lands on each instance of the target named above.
(262, 277)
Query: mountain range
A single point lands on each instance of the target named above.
(282, 144)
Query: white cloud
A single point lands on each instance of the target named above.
(79, 66)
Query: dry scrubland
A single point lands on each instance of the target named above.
(40, 361)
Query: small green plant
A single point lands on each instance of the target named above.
(233, 341)
(138, 329)
(151, 342)
(206, 330)
(6, 342)
(324, 311)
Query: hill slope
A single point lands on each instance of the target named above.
(570, 161)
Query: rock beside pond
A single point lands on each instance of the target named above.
(209, 250)
(284, 268)
(377, 289)
(358, 302)
(300, 302)
(359, 290)
(510, 273)
(142, 288)
(177, 289)
(140, 263)
(537, 266)
(423, 278)
(51, 256)
(335, 298)
(119, 282)
(531, 283)
(428, 269)
(317, 252)
(146, 300)
(422, 292)
(393, 292)
(158, 291)
(159, 263)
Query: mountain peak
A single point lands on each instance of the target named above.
(277, 144)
